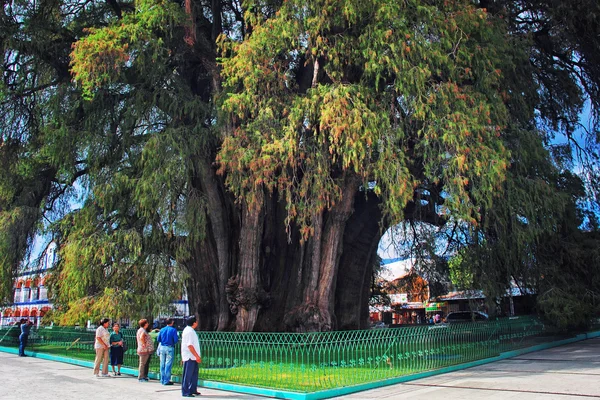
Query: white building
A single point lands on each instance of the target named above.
(30, 294)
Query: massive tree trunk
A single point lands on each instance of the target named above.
(331, 252)
(316, 266)
(202, 287)
(220, 218)
(245, 289)
(277, 282)
(361, 240)
(300, 277)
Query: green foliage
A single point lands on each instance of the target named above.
(502, 248)
(130, 42)
(569, 309)
(119, 253)
(15, 231)
(569, 287)
(531, 237)
(394, 84)
(103, 270)
(460, 273)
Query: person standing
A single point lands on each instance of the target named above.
(145, 347)
(102, 345)
(116, 350)
(167, 338)
(24, 336)
(190, 355)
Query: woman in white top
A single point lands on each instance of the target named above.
(102, 344)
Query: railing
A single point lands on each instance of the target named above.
(310, 362)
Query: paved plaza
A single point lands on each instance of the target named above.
(566, 373)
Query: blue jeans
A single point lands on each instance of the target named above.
(166, 354)
(22, 344)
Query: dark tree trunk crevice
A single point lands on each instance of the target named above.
(361, 240)
(220, 224)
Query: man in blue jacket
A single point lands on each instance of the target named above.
(167, 338)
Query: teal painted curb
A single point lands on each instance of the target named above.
(325, 394)
(258, 391)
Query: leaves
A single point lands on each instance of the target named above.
(131, 42)
(392, 83)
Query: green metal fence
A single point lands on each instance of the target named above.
(311, 362)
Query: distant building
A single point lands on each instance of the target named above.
(30, 294)
(516, 301)
(408, 294)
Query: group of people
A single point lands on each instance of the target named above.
(106, 344)
(167, 338)
(435, 319)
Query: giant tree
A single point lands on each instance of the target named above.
(258, 148)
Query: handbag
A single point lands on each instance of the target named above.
(124, 346)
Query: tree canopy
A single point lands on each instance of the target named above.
(257, 150)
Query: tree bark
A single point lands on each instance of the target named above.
(318, 270)
(220, 225)
(276, 282)
(249, 294)
(202, 288)
(332, 250)
(284, 275)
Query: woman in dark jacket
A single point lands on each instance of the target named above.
(116, 350)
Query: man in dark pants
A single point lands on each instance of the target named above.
(25, 328)
(190, 355)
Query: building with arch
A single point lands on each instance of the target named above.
(30, 294)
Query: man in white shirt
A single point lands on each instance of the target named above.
(190, 355)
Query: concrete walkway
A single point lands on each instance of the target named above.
(565, 373)
(30, 378)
